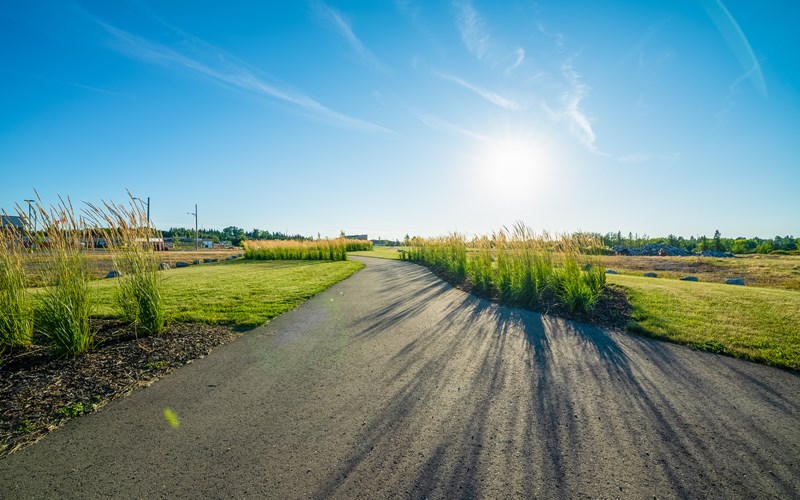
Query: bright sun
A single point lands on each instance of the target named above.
(513, 166)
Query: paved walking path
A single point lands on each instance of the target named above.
(394, 384)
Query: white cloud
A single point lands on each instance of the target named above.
(520, 53)
(473, 29)
(579, 123)
(490, 96)
(447, 127)
(345, 30)
(227, 71)
(737, 42)
(648, 157)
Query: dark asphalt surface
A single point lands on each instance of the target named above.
(394, 384)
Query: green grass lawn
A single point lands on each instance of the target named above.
(760, 324)
(380, 252)
(240, 293)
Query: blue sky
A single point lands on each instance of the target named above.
(413, 117)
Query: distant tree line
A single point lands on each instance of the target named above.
(235, 235)
(739, 245)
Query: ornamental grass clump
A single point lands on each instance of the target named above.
(62, 308)
(517, 267)
(296, 250)
(358, 245)
(132, 240)
(16, 320)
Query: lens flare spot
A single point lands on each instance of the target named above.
(172, 418)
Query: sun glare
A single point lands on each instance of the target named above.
(513, 166)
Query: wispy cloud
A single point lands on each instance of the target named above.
(344, 29)
(226, 70)
(440, 125)
(558, 37)
(579, 123)
(490, 96)
(520, 53)
(649, 157)
(737, 42)
(472, 27)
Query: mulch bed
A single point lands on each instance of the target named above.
(39, 391)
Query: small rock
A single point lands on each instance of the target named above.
(196, 261)
(735, 281)
(689, 278)
(232, 257)
(114, 274)
(181, 264)
(650, 275)
(610, 271)
(164, 266)
(207, 260)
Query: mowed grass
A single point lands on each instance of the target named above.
(240, 293)
(380, 252)
(759, 324)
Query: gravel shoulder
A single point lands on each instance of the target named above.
(393, 383)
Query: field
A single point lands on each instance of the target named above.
(380, 252)
(100, 261)
(774, 271)
(241, 293)
(755, 323)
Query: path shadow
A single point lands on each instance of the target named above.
(560, 405)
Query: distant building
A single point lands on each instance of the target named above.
(356, 237)
(12, 220)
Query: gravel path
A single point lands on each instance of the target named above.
(394, 384)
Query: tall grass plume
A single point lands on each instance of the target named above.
(296, 250)
(131, 239)
(16, 320)
(517, 267)
(62, 308)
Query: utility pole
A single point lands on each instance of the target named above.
(196, 234)
(30, 214)
(148, 208)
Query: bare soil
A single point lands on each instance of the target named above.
(39, 391)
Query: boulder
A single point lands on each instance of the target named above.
(231, 257)
(610, 271)
(196, 261)
(114, 274)
(181, 264)
(650, 275)
(735, 281)
(207, 260)
(689, 278)
(164, 266)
